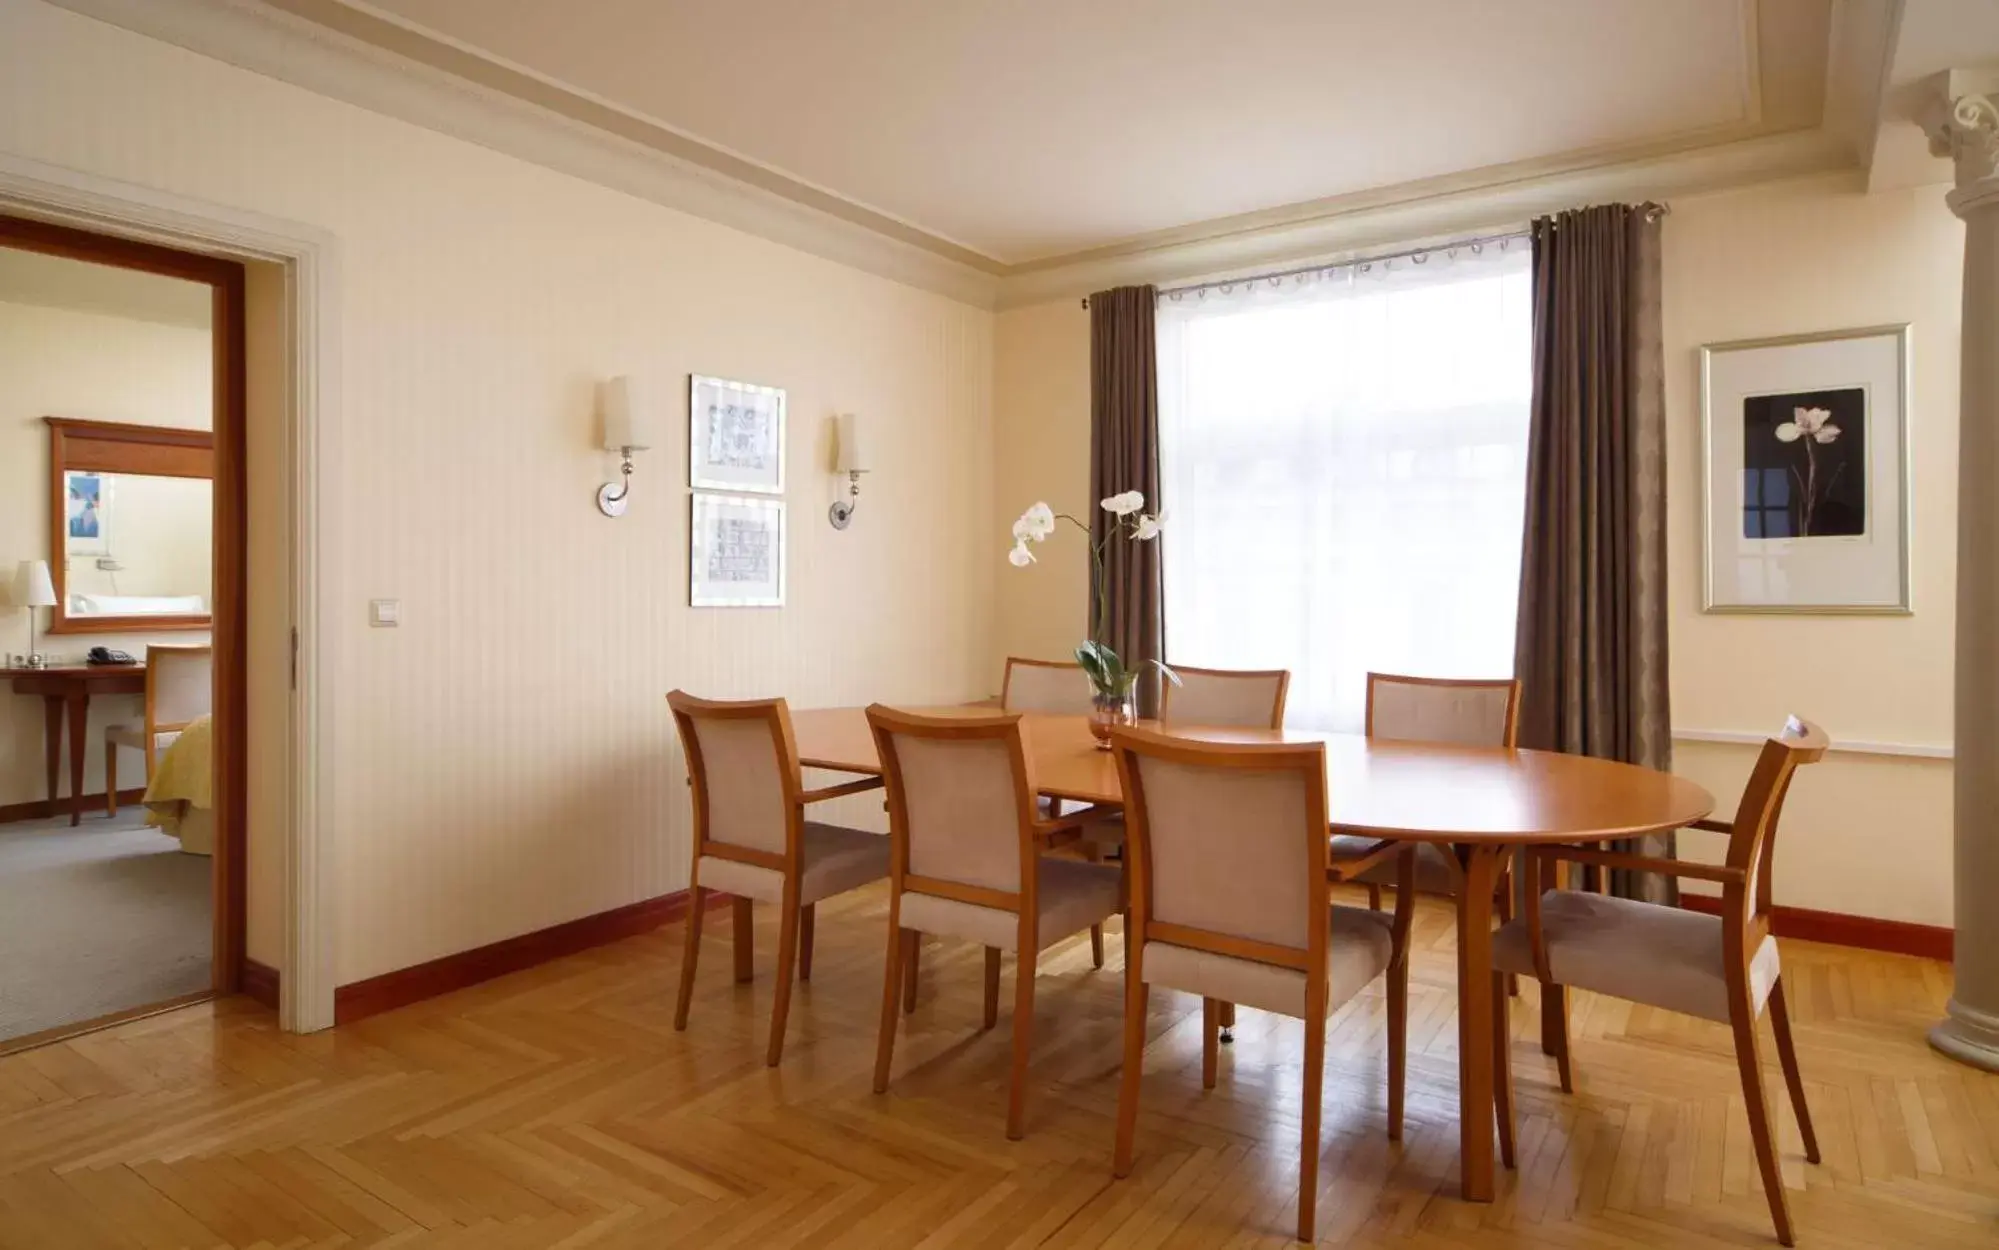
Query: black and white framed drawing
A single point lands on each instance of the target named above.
(1807, 472)
(736, 552)
(735, 436)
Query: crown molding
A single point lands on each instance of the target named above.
(292, 49)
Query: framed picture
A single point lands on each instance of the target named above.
(1807, 472)
(736, 552)
(87, 513)
(735, 436)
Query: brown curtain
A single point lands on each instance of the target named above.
(1591, 647)
(1124, 455)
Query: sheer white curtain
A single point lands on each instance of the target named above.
(1343, 468)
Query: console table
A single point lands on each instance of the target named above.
(68, 688)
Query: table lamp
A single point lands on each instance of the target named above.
(32, 590)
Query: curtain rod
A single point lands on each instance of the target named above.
(1653, 211)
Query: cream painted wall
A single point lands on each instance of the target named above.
(1774, 260)
(60, 362)
(503, 761)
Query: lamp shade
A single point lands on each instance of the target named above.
(32, 587)
(627, 417)
(849, 452)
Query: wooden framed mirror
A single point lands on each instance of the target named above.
(131, 527)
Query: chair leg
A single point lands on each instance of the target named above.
(1555, 1031)
(1374, 898)
(1503, 906)
(912, 963)
(1750, 1060)
(1398, 1043)
(1023, 1043)
(1211, 1028)
(746, 947)
(690, 954)
(110, 778)
(992, 985)
(806, 915)
(1308, 1143)
(1502, 1067)
(1787, 1054)
(787, 960)
(1135, 994)
(1095, 854)
(891, 985)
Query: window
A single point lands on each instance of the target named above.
(1344, 469)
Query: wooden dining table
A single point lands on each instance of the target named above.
(1482, 804)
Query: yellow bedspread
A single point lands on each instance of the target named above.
(184, 779)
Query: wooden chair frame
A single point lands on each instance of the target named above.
(1035, 835)
(1745, 917)
(155, 655)
(1283, 676)
(1308, 760)
(794, 947)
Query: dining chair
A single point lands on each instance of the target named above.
(180, 685)
(1051, 687)
(1722, 968)
(1229, 698)
(751, 840)
(966, 840)
(1230, 900)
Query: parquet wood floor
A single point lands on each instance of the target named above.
(557, 1108)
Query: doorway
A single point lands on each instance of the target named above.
(138, 779)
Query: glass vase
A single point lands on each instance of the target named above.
(1109, 708)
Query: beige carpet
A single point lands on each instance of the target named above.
(101, 918)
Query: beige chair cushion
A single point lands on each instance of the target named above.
(134, 736)
(1051, 689)
(837, 859)
(1469, 716)
(1239, 700)
(1072, 897)
(1362, 946)
(1641, 952)
(1435, 873)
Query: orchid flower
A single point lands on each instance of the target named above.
(1816, 422)
(1123, 505)
(1147, 527)
(1020, 557)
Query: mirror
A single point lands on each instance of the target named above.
(131, 522)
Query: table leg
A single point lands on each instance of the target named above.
(52, 745)
(79, 734)
(1481, 865)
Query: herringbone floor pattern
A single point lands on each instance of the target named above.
(557, 1108)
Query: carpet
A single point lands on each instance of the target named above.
(101, 918)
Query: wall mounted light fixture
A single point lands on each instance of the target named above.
(850, 458)
(627, 428)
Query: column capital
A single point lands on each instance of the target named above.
(1965, 129)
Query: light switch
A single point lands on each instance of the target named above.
(385, 613)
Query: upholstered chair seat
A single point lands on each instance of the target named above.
(1361, 948)
(1071, 897)
(1641, 952)
(835, 859)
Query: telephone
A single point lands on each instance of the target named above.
(105, 655)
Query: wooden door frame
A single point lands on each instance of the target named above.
(306, 260)
(229, 612)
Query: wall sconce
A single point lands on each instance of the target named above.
(627, 428)
(850, 458)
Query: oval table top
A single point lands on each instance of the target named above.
(1378, 787)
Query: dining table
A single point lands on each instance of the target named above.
(1482, 804)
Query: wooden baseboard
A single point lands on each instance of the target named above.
(1839, 929)
(42, 809)
(260, 983)
(361, 999)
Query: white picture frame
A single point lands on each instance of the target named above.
(736, 551)
(1805, 457)
(735, 435)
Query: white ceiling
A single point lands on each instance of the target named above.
(1035, 129)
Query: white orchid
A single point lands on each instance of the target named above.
(1020, 557)
(1034, 525)
(1147, 527)
(1816, 422)
(1123, 505)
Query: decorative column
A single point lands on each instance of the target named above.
(1965, 127)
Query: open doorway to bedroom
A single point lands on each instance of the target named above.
(122, 696)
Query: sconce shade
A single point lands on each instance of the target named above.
(849, 452)
(32, 587)
(628, 420)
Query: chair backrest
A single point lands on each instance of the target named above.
(1054, 687)
(1753, 839)
(1455, 711)
(1228, 846)
(743, 765)
(180, 685)
(960, 804)
(1235, 698)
